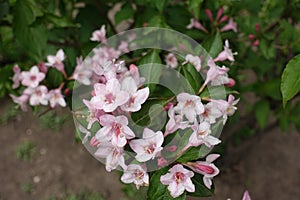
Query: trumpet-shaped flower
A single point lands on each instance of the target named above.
(195, 24)
(56, 61)
(178, 180)
(136, 174)
(32, 78)
(171, 60)
(194, 60)
(94, 115)
(201, 135)
(175, 121)
(206, 168)
(214, 71)
(82, 74)
(17, 78)
(115, 130)
(230, 26)
(99, 35)
(56, 98)
(226, 54)
(189, 105)
(114, 155)
(108, 97)
(21, 100)
(211, 113)
(246, 196)
(148, 147)
(136, 97)
(37, 95)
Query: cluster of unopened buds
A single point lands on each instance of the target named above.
(120, 91)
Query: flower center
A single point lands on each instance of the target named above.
(150, 149)
(179, 177)
(138, 174)
(32, 78)
(117, 128)
(109, 98)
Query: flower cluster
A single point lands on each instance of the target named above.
(119, 91)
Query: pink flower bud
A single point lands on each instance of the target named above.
(93, 93)
(204, 168)
(42, 67)
(161, 162)
(231, 83)
(209, 14)
(220, 13)
(94, 142)
(251, 36)
(224, 18)
(168, 106)
(256, 43)
(172, 148)
(257, 27)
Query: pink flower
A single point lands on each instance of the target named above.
(137, 97)
(214, 72)
(17, 78)
(32, 78)
(21, 100)
(189, 105)
(57, 61)
(171, 60)
(37, 95)
(201, 135)
(206, 168)
(109, 97)
(134, 73)
(123, 47)
(228, 107)
(178, 179)
(230, 26)
(211, 113)
(104, 54)
(55, 98)
(246, 196)
(195, 24)
(86, 132)
(99, 35)
(175, 122)
(113, 155)
(136, 174)
(95, 114)
(226, 54)
(82, 74)
(194, 60)
(148, 147)
(115, 129)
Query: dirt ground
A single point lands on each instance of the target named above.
(268, 166)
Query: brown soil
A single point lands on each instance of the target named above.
(268, 166)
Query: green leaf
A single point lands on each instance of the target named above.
(54, 77)
(262, 111)
(61, 22)
(160, 4)
(213, 45)
(151, 71)
(194, 7)
(158, 191)
(126, 12)
(193, 77)
(200, 189)
(290, 80)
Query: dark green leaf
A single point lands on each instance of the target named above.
(126, 12)
(213, 45)
(194, 7)
(60, 22)
(54, 77)
(200, 189)
(290, 80)
(262, 111)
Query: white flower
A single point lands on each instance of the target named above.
(55, 97)
(136, 174)
(37, 95)
(32, 78)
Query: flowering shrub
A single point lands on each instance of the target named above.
(161, 109)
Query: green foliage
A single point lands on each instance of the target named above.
(290, 81)
(27, 187)
(25, 151)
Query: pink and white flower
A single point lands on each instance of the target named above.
(226, 54)
(32, 78)
(211, 113)
(189, 105)
(56, 98)
(37, 95)
(114, 129)
(206, 168)
(201, 135)
(82, 74)
(175, 122)
(178, 180)
(17, 78)
(109, 96)
(171, 60)
(215, 71)
(21, 100)
(195, 24)
(135, 74)
(148, 147)
(246, 196)
(194, 60)
(114, 155)
(136, 174)
(136, 97)
(230, 26)
(94, 115)
(99, 35)
(56, 61)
